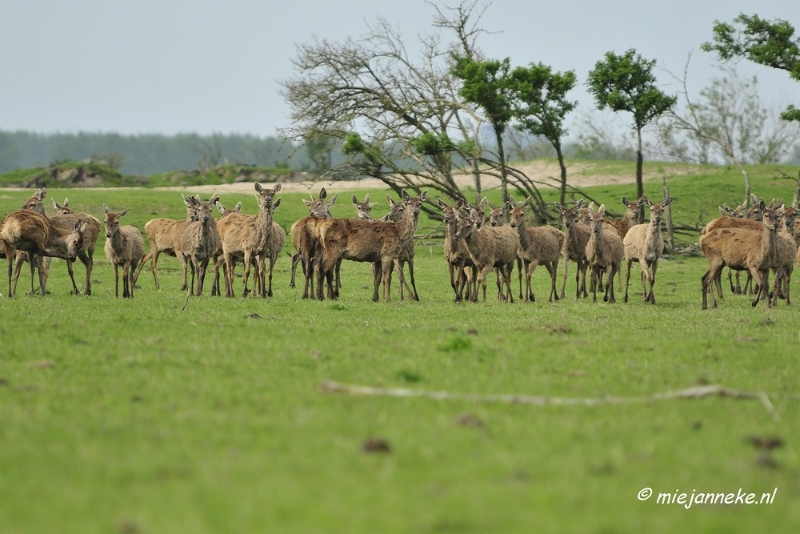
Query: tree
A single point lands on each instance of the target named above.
(730, 122)
(488, 84)
(541, 106)
(627, 83)
(767, 43)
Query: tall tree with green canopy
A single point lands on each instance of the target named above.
(488, 84)
(769, 43)
(627, 83)
(541, 105)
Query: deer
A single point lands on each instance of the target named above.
(246, 237)
(407, 254)
(200, 243)
(65, 218)
(124, 248)
(459, 262)
(496, 216)
(540, 244)
(743, 248)
(489, 247)
(34, 203)
(576, 237)
(27, 231)
(604, 252)
(219, 260)
(304, 239)
(644, 243)
(365, 241)
(223, 211)
(164, 236)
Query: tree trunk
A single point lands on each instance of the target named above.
(639, 182)
(503, 174)
(477, 174)
(563, 166)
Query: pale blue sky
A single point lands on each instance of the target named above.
(205, 66)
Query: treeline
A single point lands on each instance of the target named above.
(146, 154)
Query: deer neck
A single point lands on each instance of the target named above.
(653, 237)
(57, 243)
(475, 242)
(596, 243)
(524, 237)
(118, 241)
(769, 245)
(407, 226)
(263, 223)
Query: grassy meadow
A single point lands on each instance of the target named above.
(132, 416)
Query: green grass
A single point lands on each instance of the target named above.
(132, 416)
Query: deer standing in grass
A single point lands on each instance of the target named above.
(459, 262)
(365, 241)
(576, 237)
(304, 238)
(246, 237)
(34, 203)
(604, 252)
(200, 243)
(644, 243)
(65, 219)
(124, 248)
(496, 216)
(489, 247)
(540, 244)
(164, 236)
(33, 233)
(219, 259)
(743, 248)
(406, 255)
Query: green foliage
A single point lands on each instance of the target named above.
(488, 85)
(431, 144)
(627, 83)
(541, 100)
(767, 43)
(354, 145)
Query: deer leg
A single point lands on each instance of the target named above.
(154, 268)
(247, 263)
(116, 280)
(756, 274)
(627, 280)
(72, 277)
(611, 272)
(17, 268)
(652, 280)
(529, 296)
(88, 262)
(566, 268)
(271, 267)
(42, 275)
(297, 258)
(11, 254)
(519, 272)
(147, 256)
(338, 276)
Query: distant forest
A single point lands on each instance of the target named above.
(147, 154)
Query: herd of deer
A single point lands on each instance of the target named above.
(754, 241)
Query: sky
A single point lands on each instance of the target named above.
(179, 66)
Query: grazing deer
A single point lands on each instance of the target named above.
(124, 248)
(65, 219)
(459, 262)
(489, 247)
(644, 243)
(200, 243)
(364, 241)
(540, 244)
(743, 248)
(245, 237)
(33, 233)
(164, 236)
(604, 252)
(576, 237)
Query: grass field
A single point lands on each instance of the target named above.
(134, 416)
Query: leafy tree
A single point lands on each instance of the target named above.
(627, 83)
(767, 43)
(541, 105)
(488, 84)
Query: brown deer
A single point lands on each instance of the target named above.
(33, 233)
(223, 211)
(164, 236)
(200, 243)
(34, 203)
(365, 241)
(576, 237)
(540, 244)
(406, 255)
(124, 248)
(489, 247)
(65, 219)
(219, 259)
(497, 215)
(629, 220)
(245, 237)
(459, 262)
(604, 252)
(743, 248)
(644, 243)
(303, 235)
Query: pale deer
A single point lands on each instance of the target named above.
(743, 248)
(497, 214)
(459, 262)
(245, 237)
(124, 248)
(164, 236)
(644, 243)
(407, 254)
(576, 237)
(604, 252)
(365, 241)
(489, 247)
(539, 244)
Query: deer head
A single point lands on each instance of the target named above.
(569, 216)
(112, 221)
(656, 210)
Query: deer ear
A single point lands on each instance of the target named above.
(306, 202)
(424, 196)
(276, 188)
(123, 212)
(527, 202)
(332, 201)
(55, 204)
(624, 201)
(578, 204)
(441, 204)
(220, 207)
(213, 199)
(105, 208)
(42, 193)
(238, 207)
(258, 187)
(391, 202)
(602, 210)
(667, 202)
(506, 206)
(483, 202)
(559, 207)
(512, 202)
(355, 200)
(762, 205)
(473, 214)
(322, 194)
(276, 203)
(366, 198)
(78, 225)
(404, 195)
